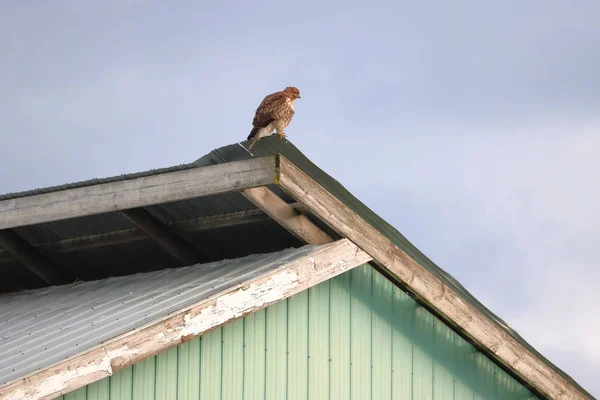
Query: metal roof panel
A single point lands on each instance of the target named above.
(43, 326)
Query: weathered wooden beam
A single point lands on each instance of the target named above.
(322, 263)
(137, 192)
(172, 243)
(38, 263)
(297, 224)
(428, 289)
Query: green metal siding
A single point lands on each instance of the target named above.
(354, 337)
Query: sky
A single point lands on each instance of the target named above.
(472, 127)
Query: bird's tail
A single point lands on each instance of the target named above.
(254, 140)
(253, 132)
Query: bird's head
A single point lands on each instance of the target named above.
(293, 92)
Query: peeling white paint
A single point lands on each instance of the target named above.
(58, 382)
(233, 305)
(342, 265)
(312, 263)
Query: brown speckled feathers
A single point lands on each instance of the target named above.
(274, 113)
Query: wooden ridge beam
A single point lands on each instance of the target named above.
(138, 192)
(297, 224)
(427, 288)
(35, 261)
(172, 243)
(318, 265)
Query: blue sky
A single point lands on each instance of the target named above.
(472, 127)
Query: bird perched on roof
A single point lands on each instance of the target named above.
(274, 114)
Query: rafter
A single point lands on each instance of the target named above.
(172, 243)
(297, 224)
(35, 261)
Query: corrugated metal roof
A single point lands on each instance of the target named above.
(43, 326)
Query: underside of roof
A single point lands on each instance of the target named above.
(228, 222)
(90, 247)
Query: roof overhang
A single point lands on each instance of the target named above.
(251, 177)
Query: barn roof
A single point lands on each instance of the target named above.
(263, 201)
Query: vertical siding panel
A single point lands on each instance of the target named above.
(514, 389)
(486, 387)
(360, 283)
(422, 361)
(492, 388)
(144, 376)
(403, 320)
(121, 384)
(276, 351)
(210, 365)
(188, 378)
(503, 385)
(233, 360)
(339, 341)
(318, 342)
(297, 375)
(463, 368)
(382, 337)
(479, 374)
(254, 355)
(79, 394)
(99, 390)
(166, 374)
(443, 378)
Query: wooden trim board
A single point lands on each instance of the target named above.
(137, 192)
(323, 263)
(427, 288)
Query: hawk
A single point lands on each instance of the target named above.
(274, 113)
